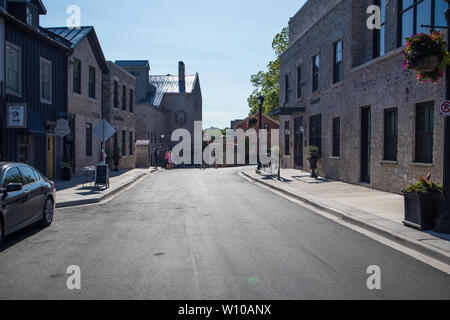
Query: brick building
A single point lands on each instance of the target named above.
(164, 102)
(267, 123)
(86, 67)
(342, 88)
(119, 91)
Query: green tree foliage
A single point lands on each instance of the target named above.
(267, 82)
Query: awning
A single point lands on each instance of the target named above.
(287, 111)
(34, 123)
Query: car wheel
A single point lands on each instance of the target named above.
(49, 210)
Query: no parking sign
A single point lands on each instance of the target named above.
(445, 109)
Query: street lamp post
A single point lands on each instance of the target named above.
(442, 222)
(260, 104)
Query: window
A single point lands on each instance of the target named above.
(266, 126)
(25, 153)
(315, 132)
(76, 76)
(3, 4)
(131, 144)
(415, 13)
(315, 73)
(124, 143)
(390, 134)
(28, 175)
(337, 74)
(286, 88)
(337, 137)
(29, 16)
(131, 100)
(287, 139)
(124, 98)
(116, 94)
(12, 176)
(46, 81)
(91, 82)
(88, 140)
(13, 69)
(424, 132)
(379, 36)
(299, 82)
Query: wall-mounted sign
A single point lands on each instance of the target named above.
(445, 109)
(62, 128)
(17, 116)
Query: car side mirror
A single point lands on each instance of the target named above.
(13, 187)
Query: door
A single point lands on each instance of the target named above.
(298, 141)
(365, 144)
(13, 203)
(35, 193)
(50, 153)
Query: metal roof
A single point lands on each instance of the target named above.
(169, 84)
(73, 35)
(132, 63)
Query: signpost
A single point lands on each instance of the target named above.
(104, 130)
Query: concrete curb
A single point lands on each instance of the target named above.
(411, 243)
(103, 197)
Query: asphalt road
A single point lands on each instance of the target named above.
(193, 234)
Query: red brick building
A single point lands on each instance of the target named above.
(253, 122)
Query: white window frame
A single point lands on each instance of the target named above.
(45, 61)
(9, 90)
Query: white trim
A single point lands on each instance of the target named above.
(50, 80)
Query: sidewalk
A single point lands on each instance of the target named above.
(72, 193)
(374, 210)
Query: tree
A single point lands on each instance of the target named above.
(266, 83)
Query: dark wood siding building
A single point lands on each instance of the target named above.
(40, 73)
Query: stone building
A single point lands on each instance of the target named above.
(166, 102)
(119, 91)
(343, 89)
(86, 67)
(150, 119)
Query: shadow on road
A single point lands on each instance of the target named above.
(19, 236)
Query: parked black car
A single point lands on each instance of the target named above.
(26, 197)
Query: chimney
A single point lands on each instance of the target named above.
(181, 77)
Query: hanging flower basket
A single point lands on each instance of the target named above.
(427, 55)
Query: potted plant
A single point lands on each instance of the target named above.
(66, 167)
(422, 203)
(313, 158)
(427, 55)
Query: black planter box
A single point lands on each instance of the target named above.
(67, 174)
(421, 209)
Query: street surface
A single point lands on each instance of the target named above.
(193, 234)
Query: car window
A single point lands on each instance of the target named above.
(38, 175)
(28, 175)
(12, 176)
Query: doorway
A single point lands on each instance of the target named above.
(298, 143)
(365, 144)
(50, 158)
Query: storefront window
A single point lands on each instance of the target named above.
(25, 155)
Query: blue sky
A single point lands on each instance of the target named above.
(224, 41)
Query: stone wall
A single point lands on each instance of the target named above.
(124, 121)
(379, 83)
(86, 109)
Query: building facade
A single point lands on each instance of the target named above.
(343, 89)
(268, 124)
(166, 102)
(119, 94)
(86, 68)
(33, 93)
